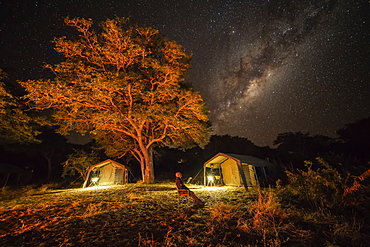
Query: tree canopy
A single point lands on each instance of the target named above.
(356, 138)
(125, 86)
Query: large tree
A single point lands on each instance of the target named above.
(125, 86)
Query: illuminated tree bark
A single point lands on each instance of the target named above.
(125, 87)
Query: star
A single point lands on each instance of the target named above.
(262, 67)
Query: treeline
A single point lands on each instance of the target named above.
(349, 152)
(42, 162)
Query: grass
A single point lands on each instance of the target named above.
(154, 215)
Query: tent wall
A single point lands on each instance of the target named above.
(250, 175)
(107, 175)
(268, 176)
(110, 174)
(230, 173)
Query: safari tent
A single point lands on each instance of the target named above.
(108, 172)
(238, 170)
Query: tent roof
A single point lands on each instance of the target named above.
(106, 162)
(219, 158)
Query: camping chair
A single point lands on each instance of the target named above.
(182, 192)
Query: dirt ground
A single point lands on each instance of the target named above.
(127, 215)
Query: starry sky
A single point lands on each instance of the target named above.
(263, 67)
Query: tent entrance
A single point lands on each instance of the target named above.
(214, 176)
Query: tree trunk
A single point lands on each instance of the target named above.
(48, 175)
(48, 156)
(148, 171)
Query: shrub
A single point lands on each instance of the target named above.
(223, 216)
(327, 203)
(269, 223)
(315, 189)
(357, 192)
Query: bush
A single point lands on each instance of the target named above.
(314, 189)
(328, 204)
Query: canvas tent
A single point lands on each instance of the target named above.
(108, 172)
(238, 170)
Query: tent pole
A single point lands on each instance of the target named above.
(87, 178)
(204, 176)
(198, 173)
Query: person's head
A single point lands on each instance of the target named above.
(178, 174)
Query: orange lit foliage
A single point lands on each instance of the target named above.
(350, 196)
(124, 86)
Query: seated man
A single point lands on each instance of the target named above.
(183, 190)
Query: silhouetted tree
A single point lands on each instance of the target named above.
(15, 125)
(125, 87)
(356, 139)
(298, 147)
(229, 144)
(53, 149)
(79, 161)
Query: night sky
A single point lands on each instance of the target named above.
(263, 67)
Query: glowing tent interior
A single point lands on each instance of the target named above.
(108, 172)
(239, 170)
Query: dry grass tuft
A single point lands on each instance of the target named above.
(266, 211)
(223, 213)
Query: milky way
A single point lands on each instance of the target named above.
(269, 78)
(263, 67)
